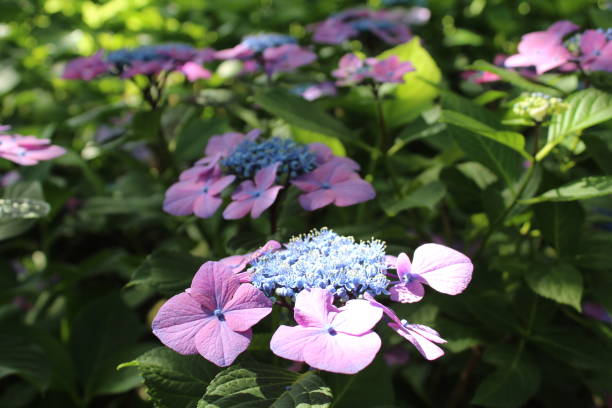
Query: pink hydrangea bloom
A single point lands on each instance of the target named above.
(444, 269)
(333, 31)
(390, 70)
(199, 195)
(325, 155)
(194, 71)
(423, 338)
(237, 263)
(333, 339)
(332, 183)
(596, 51)
(544, 49)
(147, 68)
(87, 68)
(240, 51)
(353, 70)
(213, 317)
(27, 150)
(287, 58)
(254, 197)
(316, 91)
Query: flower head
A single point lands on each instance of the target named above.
(537, 105)
(213, 317)
(352, 70)
(596, 48)
(313, 91)
(287, 58)
(333, 339)
(543, 49)
(254, 197)
(322, 259)
(87, 68)
(444, 269)
(388, 26)
(27, 150)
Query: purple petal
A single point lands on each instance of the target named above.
(178, 321)
(219, 344)
(244, 191)
(353, 192)
(265, 177)
(263, 202)
(427, 348)
(289, 342)
(248, 306)
(316, 199)
(219, 185)
(403, 266)
(356, 317)
(313, 306)
(214, 285)
(342, 353)
(407, 292)
(238, 209)
(444, 269)
(205, 205)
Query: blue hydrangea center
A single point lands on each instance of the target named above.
(250, 157)
(323, 259)
(259, 42)
(219, 314)
(367, 24)
(331, 330)
(147, 53)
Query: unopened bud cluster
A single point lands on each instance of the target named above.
(537, 106)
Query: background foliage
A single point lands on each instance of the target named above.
(79, 288)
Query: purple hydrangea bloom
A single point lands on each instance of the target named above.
(27, 150)
(353, 70)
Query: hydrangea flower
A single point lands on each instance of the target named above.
(537, 106)
(147, 60)
(234, 156)
(353, 70)
(313, 91)
(330, 281)
(390, 26)
(333, 339)
(444, 269)
(27, 150)
(213, 317)
(272, 52)
(596, 48)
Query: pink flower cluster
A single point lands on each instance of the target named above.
(390, 26)
(147, 60)
(198, 191)
(352, 70)
(547, 50)
(27, 150)
(215, 315)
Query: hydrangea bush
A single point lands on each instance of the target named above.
(389, 203)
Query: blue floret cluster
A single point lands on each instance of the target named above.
(323, 259)
(259, 42)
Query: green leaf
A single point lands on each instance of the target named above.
(426, 196)
(265, 386)
(417, 93)
(32, 193)
(301, 113)
(561, 224)
(19, 355)
(513, 140)
(173, 380)
(515, 78)
(560, 282)
(167, 272)
(306, 136)
(582, 189)
(514, 382)
(499, 158)
(99, 332)
(417, 130)
(587, 108)
(192, 140)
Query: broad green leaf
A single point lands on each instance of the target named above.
(513, 140)
(601, 18)
(300, 113)
(192, 140)
(417, 92)
(24, 194)
(515, 78)
(167, 272)
(419, 129)
(265, 386)
(173, 380)
(560, 282)
(582, 189)
(515, 381)
(489, 96)
(96, 206)
(306, 136)
(499, 158)
(587, 108)
(19, 355)
(561, 224)
(426, 196)
(100, 331)
(21, 208)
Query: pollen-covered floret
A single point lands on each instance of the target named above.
(326, 260)
(251, 156)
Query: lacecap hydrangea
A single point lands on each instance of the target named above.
(335, 286)
(263, 168)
